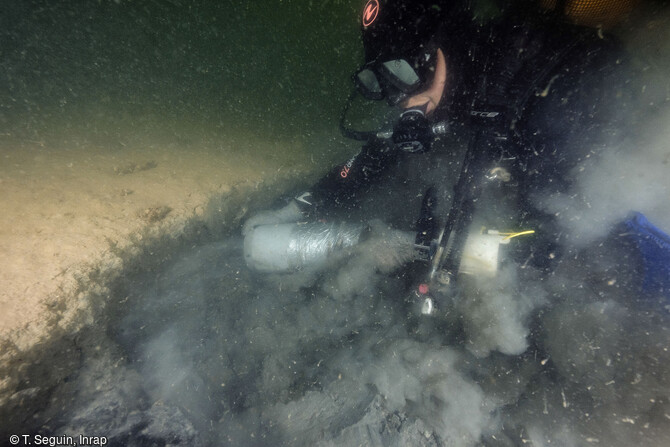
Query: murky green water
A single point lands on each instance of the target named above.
(274, 67)
(204, 351)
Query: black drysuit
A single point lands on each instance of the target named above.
(559, 94)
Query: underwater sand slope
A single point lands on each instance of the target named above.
(76, 214)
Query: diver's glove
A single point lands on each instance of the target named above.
(289, 213)
(413, 133)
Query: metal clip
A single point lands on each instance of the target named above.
(499, 173)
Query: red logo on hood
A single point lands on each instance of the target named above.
(370, 12)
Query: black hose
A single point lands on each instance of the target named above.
(352, 133)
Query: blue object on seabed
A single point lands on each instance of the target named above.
(654, 247)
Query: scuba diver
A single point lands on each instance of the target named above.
(538, 90)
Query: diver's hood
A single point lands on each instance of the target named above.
(401, 30)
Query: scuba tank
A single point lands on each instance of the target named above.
(289, 247)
